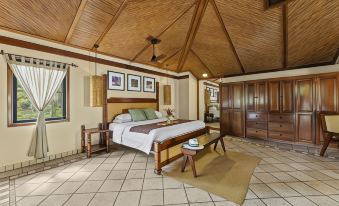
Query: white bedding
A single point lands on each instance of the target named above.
(143, 142)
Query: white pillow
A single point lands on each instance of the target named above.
(159, 114)
(121, 121)
(124, 117)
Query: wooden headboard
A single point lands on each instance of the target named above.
(114, 106)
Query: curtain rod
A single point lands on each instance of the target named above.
(3, 53)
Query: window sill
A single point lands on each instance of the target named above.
(33, 123)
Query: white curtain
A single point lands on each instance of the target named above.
(40, 80)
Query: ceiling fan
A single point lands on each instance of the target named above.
(154, 41)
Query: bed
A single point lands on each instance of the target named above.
(163, 142)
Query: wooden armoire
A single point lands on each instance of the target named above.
(279, 109)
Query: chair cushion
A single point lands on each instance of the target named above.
(150, 113)
(137, 115)
(332, 122)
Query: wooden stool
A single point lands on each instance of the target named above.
(103, 145)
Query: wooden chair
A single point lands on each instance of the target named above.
(330, 128)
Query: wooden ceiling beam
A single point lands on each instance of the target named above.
(192, 31)
(163, 31)
(111, 23)
(170, 57)
(285, 35)
(227, 35)
(76, 19)
(202, 62)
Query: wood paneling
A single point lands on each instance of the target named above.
(93, 22)
(213, 47)
(304, 124)
(274, 96)
(312, 31)
(139, 20)
(44, 18)
(255, 32)
(287, 95)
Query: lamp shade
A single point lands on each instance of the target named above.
(96, 91)
(167, 95)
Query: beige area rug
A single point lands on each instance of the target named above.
(223, 174)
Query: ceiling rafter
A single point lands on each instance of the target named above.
(285, 35)
(111, 23)
(76, 19)
(163, 31)
(192, 31)
(171, 56)
(227, 35)
(202, 62)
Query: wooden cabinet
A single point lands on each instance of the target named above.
(326, 99)
(256, 109)
(232, 112)
(304, 110)
(280, 107)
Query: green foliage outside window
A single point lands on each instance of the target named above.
(25, 111)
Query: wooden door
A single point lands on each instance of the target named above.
(225, 121)
(326, 98)
(237, 111)
(304, 110)
(261, 97)
(274, 96)
(225, 100)
(286, 96)
(250, 97)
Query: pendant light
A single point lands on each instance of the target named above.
(167, 92)
(96, 85)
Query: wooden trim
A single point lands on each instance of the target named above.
(131, 100)
(202, 62)
(192, 31)
(51, 50)
(104, 101)
(227, 35)
(163, 31)
(111, 23)
(10, 122)
(285, 35)
(76, 19)
(184, 77)
(211, 85)
(157, 87)
(169, 57)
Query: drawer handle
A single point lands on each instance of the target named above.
(280, 134)
(281, 117)
(256, 131)
(280, 125)
(256, 123)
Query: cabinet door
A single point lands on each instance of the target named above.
(237, 96)
(225, 122)
(304, 110)
(286, 96)
(237, 123)
(261, 97)
(250, 96)
(327, 100)
(225, 96)
(274, 97)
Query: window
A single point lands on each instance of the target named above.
(22, 111)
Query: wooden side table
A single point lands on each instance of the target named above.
(103, 145)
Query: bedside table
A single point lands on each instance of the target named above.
(103, 145)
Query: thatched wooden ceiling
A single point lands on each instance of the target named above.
(217, 37)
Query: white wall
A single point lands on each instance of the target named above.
(193, 88)
(65, 136)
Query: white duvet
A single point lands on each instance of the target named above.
(143, 142)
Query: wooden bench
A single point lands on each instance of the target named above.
(207, 140)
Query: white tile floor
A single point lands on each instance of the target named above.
(125, 177)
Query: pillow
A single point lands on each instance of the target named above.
(125, 117)
(150, 113)
(159, 114)
(137, 115)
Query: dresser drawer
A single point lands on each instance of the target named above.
(259, 133)
(281, 136)
(281, 127)
(254, 116)
(257, 125)
(286, 118)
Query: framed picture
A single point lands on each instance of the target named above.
(115, 81)
(215, 93)
(149, 84)
(133, 83)
(212, 92)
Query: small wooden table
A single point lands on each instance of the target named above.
(103, 145)
(189, 155)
